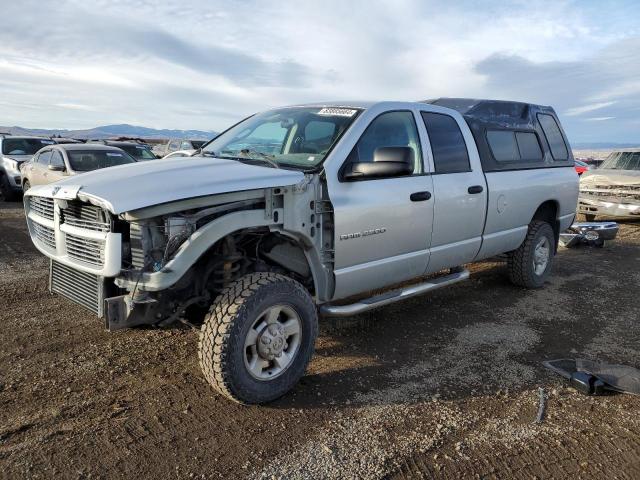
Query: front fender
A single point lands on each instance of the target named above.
(195, 246)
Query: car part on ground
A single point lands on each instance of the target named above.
(594, 234)
(594, 377)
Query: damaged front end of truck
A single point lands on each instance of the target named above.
(162, 262)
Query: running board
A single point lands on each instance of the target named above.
(393, 296)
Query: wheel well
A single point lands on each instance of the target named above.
(254, 250)
(548, 212)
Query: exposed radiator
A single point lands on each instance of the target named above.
(82, 288)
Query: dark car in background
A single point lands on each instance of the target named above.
(138, 150)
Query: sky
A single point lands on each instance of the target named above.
(205, 64)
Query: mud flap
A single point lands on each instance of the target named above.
(119, 314)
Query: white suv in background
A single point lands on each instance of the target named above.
(15, 151)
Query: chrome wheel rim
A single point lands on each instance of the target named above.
(541, 254)
(272, 342)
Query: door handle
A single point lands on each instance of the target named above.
(420, 196)
(475, 189)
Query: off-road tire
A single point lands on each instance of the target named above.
(589, 217)
(221, 347)
(6, 192)
(520, 261)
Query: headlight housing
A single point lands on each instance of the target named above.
(11, 164)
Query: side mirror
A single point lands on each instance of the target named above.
(56, 168)
(387, 162)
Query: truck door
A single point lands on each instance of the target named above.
(382, 225)
(459, 190)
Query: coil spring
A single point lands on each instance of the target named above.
(227, 270)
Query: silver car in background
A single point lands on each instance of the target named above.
(613, 190)
(57, 162)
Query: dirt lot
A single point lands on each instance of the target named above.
(440, 386)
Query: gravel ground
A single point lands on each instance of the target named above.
(443, 386)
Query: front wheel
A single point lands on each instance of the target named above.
(530, 265)
(258, 338)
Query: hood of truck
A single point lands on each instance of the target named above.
(606, 177)
(138, 185)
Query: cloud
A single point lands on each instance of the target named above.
(572, 112)
(571, 86)
(207, 63)
(598, 119)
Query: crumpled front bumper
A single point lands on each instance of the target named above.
(591, 233)
(608, 208)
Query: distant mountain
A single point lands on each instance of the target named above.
(106, 131)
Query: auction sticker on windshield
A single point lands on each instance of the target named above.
(341, 112)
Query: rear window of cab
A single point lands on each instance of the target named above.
(514, 146)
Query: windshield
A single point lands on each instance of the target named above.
(139, 152)
(23, 146)
(299, 137)
(85, 161)
(622, 161)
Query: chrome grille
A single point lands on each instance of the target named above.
(85, 216)
(80, 287)
(42, 206)
(85, 250)
(45, 235)
(612, 192)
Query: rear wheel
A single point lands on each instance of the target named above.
(530, 265)
(258, 338)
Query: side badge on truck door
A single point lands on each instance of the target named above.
(366, 233)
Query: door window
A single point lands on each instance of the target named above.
(447, 143)
(510, 146)
(44, 157)
(529, 146)
(56, 159)
(392, 129)
(503, 145)
(554, 137)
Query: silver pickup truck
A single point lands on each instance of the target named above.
(304, 211)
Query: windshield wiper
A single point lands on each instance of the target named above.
(263, 156)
